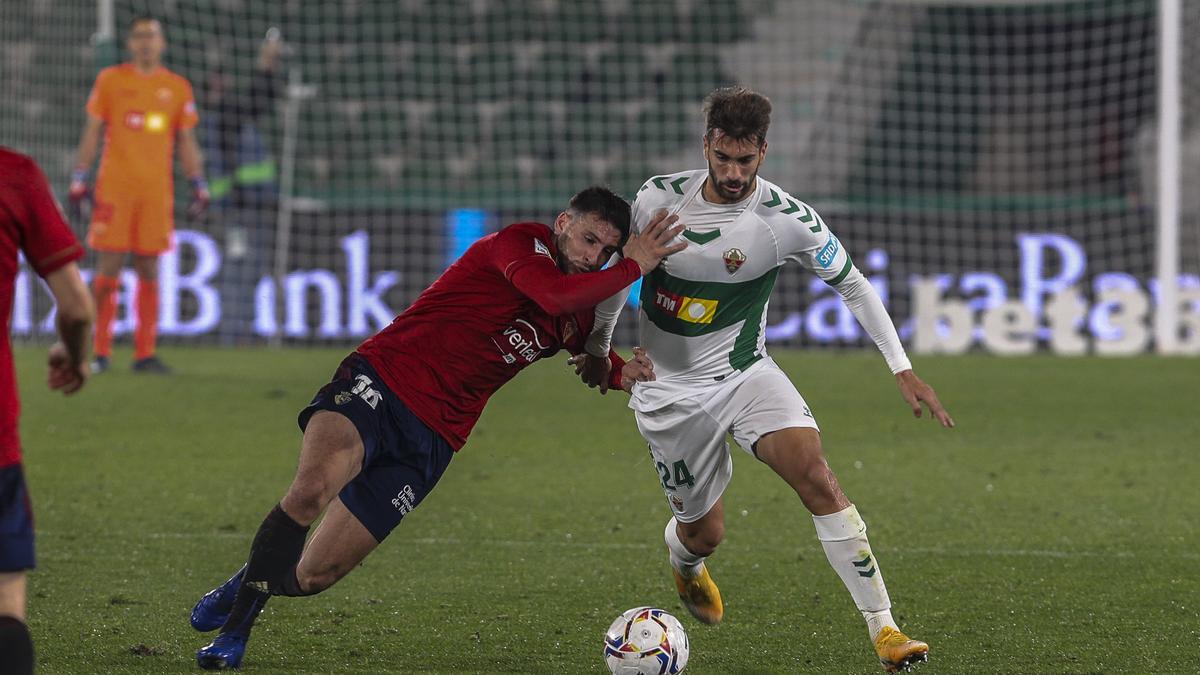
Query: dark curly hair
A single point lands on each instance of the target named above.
(738, 113)
(606, 205)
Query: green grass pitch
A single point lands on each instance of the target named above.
(1053, 531)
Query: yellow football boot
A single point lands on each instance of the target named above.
(700, 595)
(897, 652)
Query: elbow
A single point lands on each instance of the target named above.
(75, 318)
(553, 307)
(78, 313)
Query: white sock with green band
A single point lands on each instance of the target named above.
(844, 538)
(683, 560)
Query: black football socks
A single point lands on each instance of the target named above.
(273, 557)
(290, 586)
(16, 647)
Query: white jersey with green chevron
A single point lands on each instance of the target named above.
(704, 310)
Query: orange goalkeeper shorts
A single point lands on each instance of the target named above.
(138, 221)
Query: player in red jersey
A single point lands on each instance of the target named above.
(380, 434)
(30, 222)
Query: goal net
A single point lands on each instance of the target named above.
(1000, 155)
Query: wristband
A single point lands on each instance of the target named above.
(79, 175)
(198, 184)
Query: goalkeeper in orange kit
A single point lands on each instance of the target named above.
(143, 108)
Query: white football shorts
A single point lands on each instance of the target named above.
(687, 437)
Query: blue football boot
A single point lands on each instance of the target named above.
(226, 651)
(228, 648)
(211, 611)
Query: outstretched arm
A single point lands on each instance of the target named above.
(558, 293)
(813, 245)
(867, 306)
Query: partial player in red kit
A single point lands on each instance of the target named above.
(379, 436)
(31, 223)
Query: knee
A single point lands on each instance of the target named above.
(703, 541)
(811, 474)
(305, 500)
(316, 580)
(146, 267)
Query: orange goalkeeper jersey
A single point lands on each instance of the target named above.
(142, 114)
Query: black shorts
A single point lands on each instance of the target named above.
(16, 521)
(403, 458)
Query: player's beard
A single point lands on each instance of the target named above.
(724, 193)
(560, 256)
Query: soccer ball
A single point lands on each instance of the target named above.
(645, 641)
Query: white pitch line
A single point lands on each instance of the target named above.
(1030, 553)
(570, 543)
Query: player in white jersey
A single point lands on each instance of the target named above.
(703, 319)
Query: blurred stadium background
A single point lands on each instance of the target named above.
(1006, 149)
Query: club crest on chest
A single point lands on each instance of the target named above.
(734, 259)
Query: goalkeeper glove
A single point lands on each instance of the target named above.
(200, 198)
(78, 194)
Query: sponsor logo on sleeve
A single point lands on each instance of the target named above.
(539, 247)
(828, 253)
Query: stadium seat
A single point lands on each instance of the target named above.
(16, 64)
(505, 182)
(347, 71)
(619, 75)
(526, 129)
(381, 68)
(427, 180)
(442, 22)
(454, 129)
(649, 23)
(514, 21)
(715, 22)
(492, 72)
(595, 130)
(56, 23)
(625, 177)
(663, 127)
(432, 74)
(395, 22)
(566, 176)
(580, 21)
(692, 74)
(388, 122)
(558, 75)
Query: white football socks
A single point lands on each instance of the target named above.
(684, 561)
(844, 537)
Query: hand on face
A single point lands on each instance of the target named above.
(584, 241)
